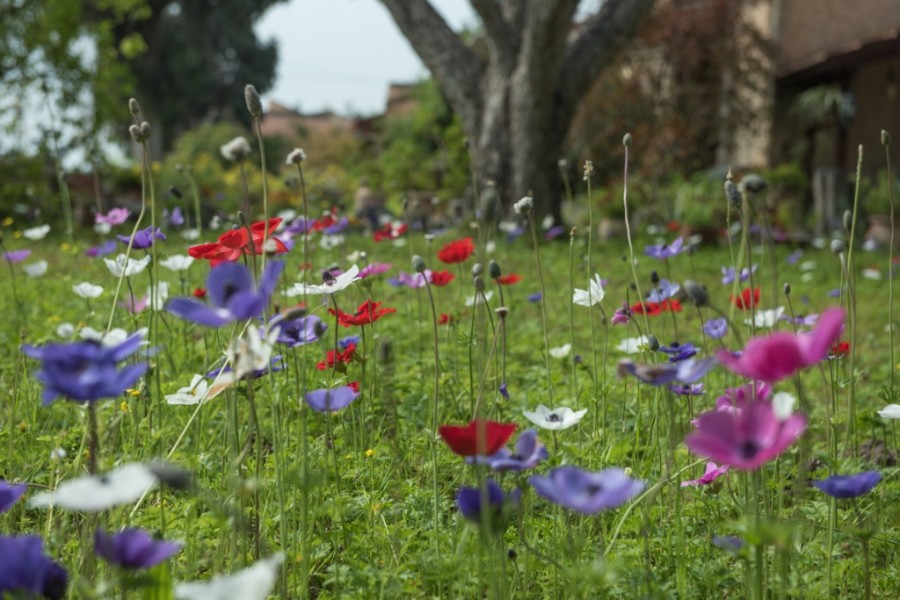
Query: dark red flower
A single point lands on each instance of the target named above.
(332, 357)
(390, 231)
(456, 252)
(324, 222)
(367, 313)
(444, 319)
(478, 438)
(656, 308)
(745, 301)
(441, 278)
(839, 350)
(232, 244)
(510, 279)
(199, 292)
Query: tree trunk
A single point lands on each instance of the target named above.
(517, 103)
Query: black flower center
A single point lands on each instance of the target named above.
(554, 418)
(748, 449)
(230, 290)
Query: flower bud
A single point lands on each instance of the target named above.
(135, 132)
(787, 289)
(363, 255)
(145, 130)
(479, 283)
(753, 184)
(175, 192)
(697, 293)
(295, 157)
(251, 97)
(652, 343)
(626, 140)
(588, 169)
(418, 264)
(731, 192)
(477, 269)
(134, 107)
(838, 246)
(885, 138)
(494, 271)
(848, 220)
(501, 311)
(654, 277)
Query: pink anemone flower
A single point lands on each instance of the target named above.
(713, 472)
(745, 439)
(780, 355)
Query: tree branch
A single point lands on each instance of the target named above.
(456, 68)
(594, 47)
(501, 37)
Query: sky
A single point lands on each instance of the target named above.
(342, 54)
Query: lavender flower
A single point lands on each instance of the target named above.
(849, 486)
(143, 238)
(686, 371)
(16, 256)
(679, 352)
(133, 548)
(104, 249)
(663, 291)
(665, 251)
(331, 400)
(529, 453)
(10, 494)
(716, 328)
(297, 332)
(728, 274)
(687, 389)
(584, 491)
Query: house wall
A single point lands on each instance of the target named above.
(876, 91)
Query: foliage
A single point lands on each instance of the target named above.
(24, 184)
(875, 198)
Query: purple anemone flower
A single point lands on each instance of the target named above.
(535, 297)
(849, 486)
(133, 548)
(728, 274)
(716, 328)
(686, 371)
(350, 340)
(26, 569)
(300, 331)
(337, 227)
(376, 268)
(584, 491)
(734, 398)
(529, 453)
(504, 391)
(414, 280)
(115, 216)
(176, 217)
(554, 232)
(665, 251)
(678, 352)
(143, 238)
(86, 371)
(10, 494)
(801, 321)
(687, 389)
(469, 499)
(104, 249)
(729, 543)
(794, 257)
(299, 226)
(16, 256)
(230, 289)
(664, 290)
(331, 400)
(622, 315)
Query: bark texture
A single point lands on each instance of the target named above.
(516, 101)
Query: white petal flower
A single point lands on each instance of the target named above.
(113, 338)
(249, 354)
(177, 262)
(766, 318)
(130, 266)
(87, 290)
(891, 411)
(783, 405)
(556, 419)
(524, 205)
(95, 493)
(190, 234)
(65, 330)
(286, 215)
(633, 345)
(102, 228)
(561, 352)
(36, 269)
(36, 233)
(873, 274)
(253, 583)
(236, 149)
(478, 299)
(158, 300)
(490, 246)
(339, 283)
(192, 394)
(808, 265)
(591, 296)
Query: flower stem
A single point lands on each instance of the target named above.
(537, 257)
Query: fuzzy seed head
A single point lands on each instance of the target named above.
(652, 343)
(838, 246)
(524, 206)
(787, 289)
(251, 97)
(295, 157)
(135, 132)
(134, 107)
(697, 293)
(477, 269)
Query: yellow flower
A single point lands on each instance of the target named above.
(7, 221)
(348, 457)
(65, 246)
(376, 508)
(23, 426)
(134, 392)
(17, 235)
(370, 453)
(124, 406)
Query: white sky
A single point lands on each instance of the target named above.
(342, 54)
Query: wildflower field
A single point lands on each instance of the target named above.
(290, 405)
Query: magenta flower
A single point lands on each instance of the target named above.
(376, 268)
(780, 355)
(713, 472)
(115, 216)
(16, 256)
(622, 315)
(744, 439)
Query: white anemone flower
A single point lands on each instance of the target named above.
(561, 352)
(591, 296)
(93, 493)
(190, 234)
(130, 266)
(873, 274)
(783, 405)
(102, 228)
(35, 269)
(479, 299)
(177, 262)
(891, 411)
(113, 338)
(87, 290)
(633, 345)
(342, 281)
(192, 394)
(766, 318)
(331, 241)
(556, 419)
(36, 233)
(248, 354)
(65, 330)
(255, 582)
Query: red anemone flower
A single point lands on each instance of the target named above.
(367, 313)
(747, 299)
(441, 278)
(354, 385)
(457, 251)
(199, 292)
(839, 350)
(651, 309)
(232, 244)
(478, 438)
(390, 231)
(510, 279)
(333, 357)
(444, 319)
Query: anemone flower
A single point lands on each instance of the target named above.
(664, 251)
(766, 319)
(477, 438)
(331, 400)
(10, 494)
(127, 265)
(891, 411)
(330, 285)
(561, 351)
(115, 216)
(849, 486)
(457, 251)
(746, 438)
(195, 393)
(556, 419)
(469, 501)
(36, 269)
(528, 454)
(300, 331)
(678, 352)
(591, 296)
(16, 256)
(133, 548)
(230, 289)
(25, 569)
(686, 371)
(713, 472)
(780, 355)
(716, 328)
(36, 233)
(143, 238)
(93, 493)
(367, 313)
(584, 491)
(376, 268)
(177, 262)
(663, 291)
(255, 582)
(87, 290)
